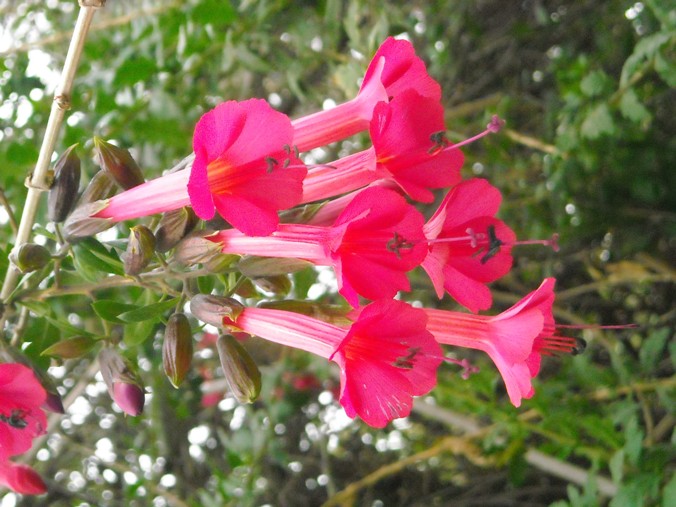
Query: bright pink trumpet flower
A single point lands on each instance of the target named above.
(515, 340)
(409, 148)
(468, 246)
(21, 418)
(374, 242)
(245, 167)
(393, 69)
(386, 357)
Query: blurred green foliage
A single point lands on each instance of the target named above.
(587, 89)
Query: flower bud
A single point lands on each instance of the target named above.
(119, 163)
(22, 479)
(124, 385)
(256, 267)
(140, 250)
(30, 257)
(239, 368)
(177, 348)
(53, 403)
(211, 309)
(101, 186)
(173, 227)
(195, 249)
(63, 193)
(280, 284)
(70, 348)
(81, 222)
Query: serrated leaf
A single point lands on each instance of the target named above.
(598, 122)
(136, 333)
(666, 68)
(632, 108)
(111, 310)
(594, 83)
(149, 312)
(645, 49)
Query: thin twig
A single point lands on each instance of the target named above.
(455, 445)
(535, 458)
(10, 213)
(108, 283)
(103, 25)
(38, 181)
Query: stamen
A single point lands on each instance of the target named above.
(494, 126)
(398, 243)
(494, 245)
(440, 142)
(467, 367)
(408, 361)
(271, 162)
(552, 242)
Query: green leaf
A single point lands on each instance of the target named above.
(616, 466)
(133, 69)
(633, 446)
(92, 258)
(669, 492)
(150, 312)
(652, 347)
(666, 68)
(214, 12)
(594, 83)
(631, 107)
(138, 332)
(645, 49)
(111, 310)
(597, 123)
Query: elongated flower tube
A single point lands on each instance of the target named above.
(468, 246)
(393, 69)
(374, 242)
(244, 168)
(406, 134)
(515, 339)
(386, 357)
(21, 418)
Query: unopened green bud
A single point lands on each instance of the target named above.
(195, 248)
(124, 385)
(119, 162)
(280, 284)
(173, 227)
(101, 186)
(177, 348)
(211, 309)
(82, 223)
(70, 348)
(30, 257)
(220, 262)
(140, 250)
(239, 368)
(255, 267)
(63, 193)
